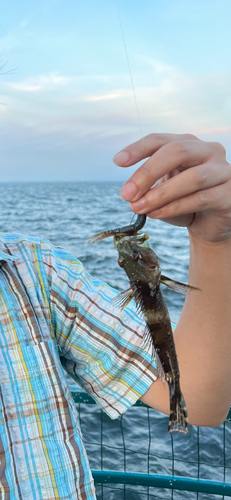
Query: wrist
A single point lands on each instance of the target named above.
(210, 262)
(207, 245)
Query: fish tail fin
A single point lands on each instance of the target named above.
(178, 419)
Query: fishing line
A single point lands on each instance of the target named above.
(130, 73)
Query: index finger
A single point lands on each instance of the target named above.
(146, 147)
(178, 153)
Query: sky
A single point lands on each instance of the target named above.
(67, 103)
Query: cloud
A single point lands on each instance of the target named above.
(40, 83)
(107, 97)
(168, 101)
(177, 101)
(218, 130)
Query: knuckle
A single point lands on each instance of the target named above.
(162, 193)
(143, 175)
(203, 198)
(178, 149)
(218, 148)
(174, 208)
(200, 175)
(151, 136)
(190, 137)
(155, 139)
(145, 170)
(177, 205)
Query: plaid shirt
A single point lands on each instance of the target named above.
(54, 316)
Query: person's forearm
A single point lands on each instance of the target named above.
(203, 334)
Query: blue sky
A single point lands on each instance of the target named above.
(66, 103)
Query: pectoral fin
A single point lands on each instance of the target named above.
(123, 299)
(176, 286)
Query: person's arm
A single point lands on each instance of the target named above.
(194, 190)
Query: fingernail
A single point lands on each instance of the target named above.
(128, 191)
(121, 158)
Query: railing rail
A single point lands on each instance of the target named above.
(160, 481)
(83, 397)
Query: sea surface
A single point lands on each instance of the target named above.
(67, 214)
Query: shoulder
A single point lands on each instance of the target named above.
(40, 252)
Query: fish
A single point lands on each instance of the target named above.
(142, 268)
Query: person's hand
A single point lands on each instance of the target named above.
(185, 182)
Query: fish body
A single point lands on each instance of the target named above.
(141, 265)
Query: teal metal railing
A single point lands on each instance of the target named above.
(204, 456)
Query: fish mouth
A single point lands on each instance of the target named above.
(137, 239)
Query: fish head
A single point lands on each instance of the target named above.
(137, 258)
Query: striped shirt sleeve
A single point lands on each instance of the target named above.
(100, 346)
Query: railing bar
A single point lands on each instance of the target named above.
(124, 449)
(101, 447)
(149, 446)
(173, 464)
(123, 440)
(198, 457)
(83, 397)
(79, 413)
(224, 431)
(168, 482)
(224, 453)
(101, 439)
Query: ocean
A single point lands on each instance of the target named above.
(67, 214)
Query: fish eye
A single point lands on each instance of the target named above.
(134, 255)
